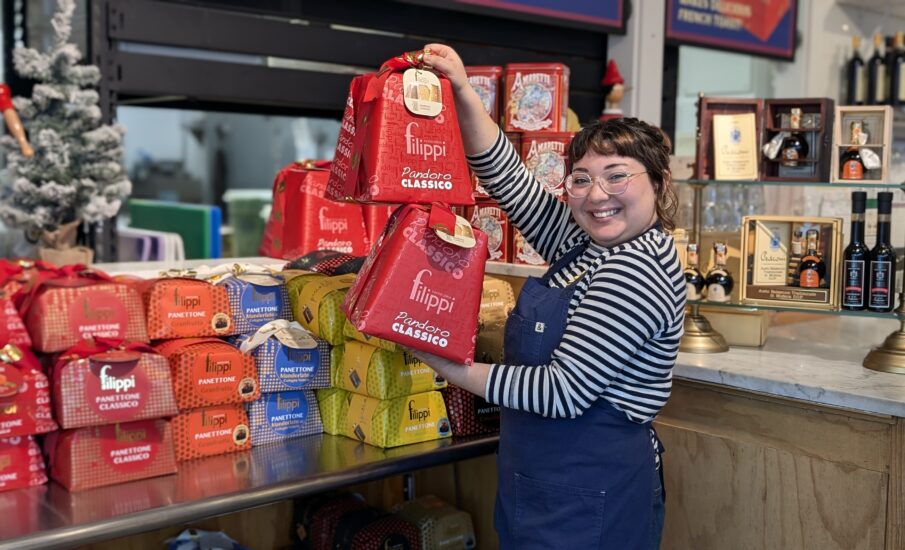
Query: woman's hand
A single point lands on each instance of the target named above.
(471, 378)
(445, 60)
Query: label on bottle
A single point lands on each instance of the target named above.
(852, 170)
(881, 278)
(692, 290)
(716, 293)
(790, 156)
(860, 86)
(809, 278)
(900, 92)
(853, 291)
(880, 85)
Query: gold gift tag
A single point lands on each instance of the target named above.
(463, 236)
(421, 91)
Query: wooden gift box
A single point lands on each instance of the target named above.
(709, 106)
(816, 167)
(877, 121)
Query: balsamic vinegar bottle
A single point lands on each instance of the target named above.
(897, 71)
(877, 84)
(882, 289)
(855, 83)
(855, 259)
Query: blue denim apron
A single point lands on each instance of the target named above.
(573, 483)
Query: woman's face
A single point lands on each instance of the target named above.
(614, 219)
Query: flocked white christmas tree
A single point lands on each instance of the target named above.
(76, 173)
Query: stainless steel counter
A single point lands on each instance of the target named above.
(50, 517)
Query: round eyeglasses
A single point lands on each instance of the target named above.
(578, 184)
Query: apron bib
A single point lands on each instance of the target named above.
(572, 483)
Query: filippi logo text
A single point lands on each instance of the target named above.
(114, 383)
(432, 300)
(416, 414)
(420, 148)
(129, 436)
(218, 367)
(187, 302)
(287, 404)
(96, 313)
(333, 225)
(212, 420)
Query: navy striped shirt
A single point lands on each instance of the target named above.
(625, 318)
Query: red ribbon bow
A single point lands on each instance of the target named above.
(396, 64)
(52, 273)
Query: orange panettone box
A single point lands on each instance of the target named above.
(211, 431)
(76, 303)
(208, 372)
(104, 455)
(186, 308)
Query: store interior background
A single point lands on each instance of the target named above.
(193, 156)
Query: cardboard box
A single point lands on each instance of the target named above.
(287, 357)
(256, 299)
(25, 407)
(399, 142)
(12, 329)
(319, 305)
(93, 389)
(284, 415)
(21, 464)
(211, 431)
(208, 372)
(333, 404)
(383, 374)
(186, 308)
(68, 309)
(470, 414)
(352, 333)
(105, 455)
(537, 97)
(419, 290)
(395, 422)
(442, 527)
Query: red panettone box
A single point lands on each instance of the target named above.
(399, 142)
(489, 218)
(116, 453)
(24, 394)
(546, 155)
(419, 289)
(305, 220)
(182, 307)
(485, 81)
(21, 464)
(470, 414)
(74, 303)
(211, 431)
(208, 371)
(12, 329)
(106, 382)
(536, 98)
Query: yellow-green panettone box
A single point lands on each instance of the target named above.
(383, 374)
(400, 421)
(316, 304)
(333, 404)
(353, 333)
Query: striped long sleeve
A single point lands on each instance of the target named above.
(625, 318)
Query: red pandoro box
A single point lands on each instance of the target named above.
(376, 218)
(522, 252)
(207, 371)
(186, 308)
(211, 431)
(490, 218)
(12, 329)
(485, 80)
(93, 387)
(116, 453)
(21, 464)
(546, 155)
(399, 142)
(68, 308)
(310, 221)
(419, 290)
(536, 98)
(24, 395)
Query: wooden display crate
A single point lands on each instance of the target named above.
(820, 113)
(877, 120)
(707, 108)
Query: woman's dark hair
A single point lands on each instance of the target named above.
(630, 137)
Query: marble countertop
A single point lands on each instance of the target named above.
(816, 360)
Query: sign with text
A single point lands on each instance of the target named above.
(757, 27)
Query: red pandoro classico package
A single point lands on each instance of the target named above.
(399, 142)
(21, 464)
(24, 394)
(421, 286)
(109, 381)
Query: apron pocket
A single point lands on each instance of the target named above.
(552, 515)
(523, 339)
